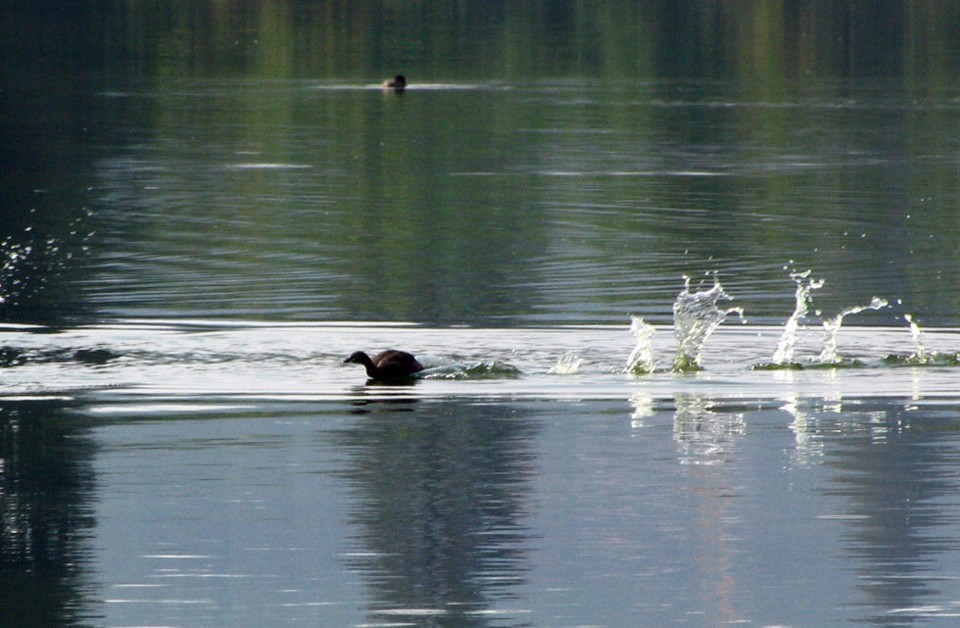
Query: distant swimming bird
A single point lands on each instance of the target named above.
(389, 365)
(397, 83)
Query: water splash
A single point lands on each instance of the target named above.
(695, 317)
(921, 355)
(788, 339)
(29, 258)
(493, 369)
(829, 355)
(567, 364)
(12, 257)
(641, 360)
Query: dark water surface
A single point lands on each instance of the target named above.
(506, 203)
(207, 206)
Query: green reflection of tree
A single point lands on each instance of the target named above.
(46, 494)
(775, 60)
(778, 40)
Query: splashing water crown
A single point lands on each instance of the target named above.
(695, 317)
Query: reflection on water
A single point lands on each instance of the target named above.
(481, 511)
(385, 217)
(889, 478)
(440, 501)
(808, 448)
(704, 434)
(193, 237)
(47, 516)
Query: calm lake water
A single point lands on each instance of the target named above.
(191, 245)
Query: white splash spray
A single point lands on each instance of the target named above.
(641, 360)
(829, 354)
(567, 364)
(921, 354)
(788, 339)
(695, 317)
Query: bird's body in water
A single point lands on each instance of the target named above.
(397, 83)
(391, 365)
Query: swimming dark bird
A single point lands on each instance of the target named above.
(387, 366)
(397, 83)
